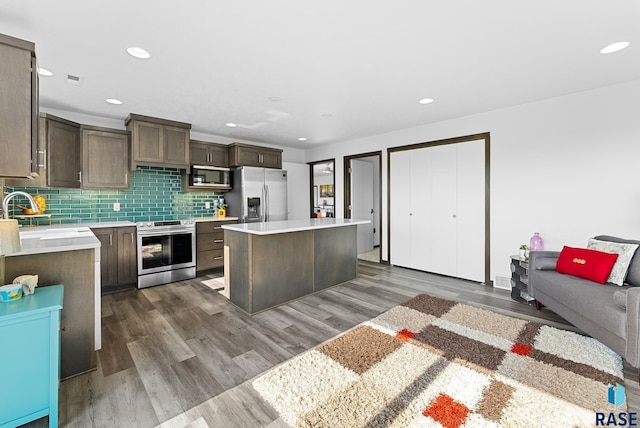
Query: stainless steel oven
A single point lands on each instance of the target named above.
(166, 252)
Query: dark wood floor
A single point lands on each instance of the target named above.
(182, 355)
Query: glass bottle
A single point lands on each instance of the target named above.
(536, 243)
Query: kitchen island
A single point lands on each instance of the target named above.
(267, 264)
(70, 256)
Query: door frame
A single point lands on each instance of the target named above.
(347, 190)
(333, 174)
(487, 190)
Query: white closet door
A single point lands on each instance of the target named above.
(471, 209)
(400, 202)
(441, 240)
(421, 215)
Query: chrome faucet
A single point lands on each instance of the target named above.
(5, 203)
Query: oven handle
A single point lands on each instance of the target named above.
(165, 232)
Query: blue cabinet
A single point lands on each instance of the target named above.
(30, 357)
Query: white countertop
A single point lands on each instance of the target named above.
(201, 219)
(102, 224)
(273, 227)
(51, 239)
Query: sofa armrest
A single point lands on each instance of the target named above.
(633, 327)
(535, 259)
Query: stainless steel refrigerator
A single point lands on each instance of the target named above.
(258, 194)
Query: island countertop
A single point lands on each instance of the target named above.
(54, 239)
(274, 227)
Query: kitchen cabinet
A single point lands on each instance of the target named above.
(210, 244)
(158, 142)
(70, 155)
(30, 357)
(105, 158)
(210, 154)
(63, 152)
(247, 155)
(76, 270)
(118, 267)
(18, 107)
(127, 256)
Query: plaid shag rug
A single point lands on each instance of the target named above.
(432, 362)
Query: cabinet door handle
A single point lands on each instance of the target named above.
(80, 176)
(217, 227)
(132, 237)
(218, 258)
(217, 241)
(43, 164)
(110, 239)
(126, 177)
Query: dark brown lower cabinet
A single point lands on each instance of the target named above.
(118, 267)
(210, 244)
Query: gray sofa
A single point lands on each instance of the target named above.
(609, 313)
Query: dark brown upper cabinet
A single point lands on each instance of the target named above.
(210, 154)
(63, 153)
(105, 158)
(248, 155)
(158, 142)
(18, 108)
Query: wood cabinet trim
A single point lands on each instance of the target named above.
(156, 120)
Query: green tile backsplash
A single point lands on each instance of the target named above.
(154, 194)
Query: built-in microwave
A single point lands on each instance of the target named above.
(213, 177)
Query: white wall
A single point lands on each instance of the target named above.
(566, 167)
(298, 190)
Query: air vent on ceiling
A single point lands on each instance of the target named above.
(73, 80)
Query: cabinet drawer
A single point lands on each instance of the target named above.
(212, 226)
(209, 241)
(209, 259)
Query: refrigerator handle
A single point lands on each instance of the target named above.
(266, 201)
(264, 204)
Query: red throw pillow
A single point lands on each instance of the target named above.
(589, 264)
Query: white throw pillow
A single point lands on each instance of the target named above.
(625, 253)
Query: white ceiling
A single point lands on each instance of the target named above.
(365, 62)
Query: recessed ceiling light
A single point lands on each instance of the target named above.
(302, 139)
(614, 47)
(44, 72)
(275, 99)
(113, 101)
(426, 101)
(231, 124)
(138, 53)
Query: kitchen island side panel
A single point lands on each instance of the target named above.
(281, 268)
(336, 256)
(237, 268)
(75, 270)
